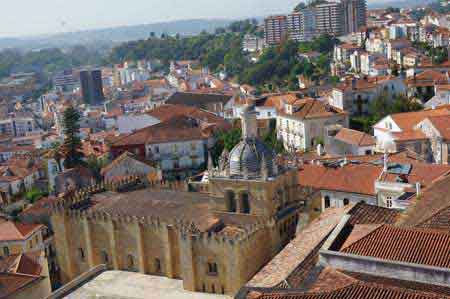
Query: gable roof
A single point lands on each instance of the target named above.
(408, 120)
(15, 231)
(427, 211)
(418, 246)
(124, 156)
(169, 111)
(176, 129)
(352, 178)
(339, 285)
(308, 108)
(441, 124)
(354, 137)
(11, 283)
(292, 261)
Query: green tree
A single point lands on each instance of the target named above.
(71, 148)
(225, 140)
(271, 140)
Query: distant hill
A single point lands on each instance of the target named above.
(398, 3)
(114, 34)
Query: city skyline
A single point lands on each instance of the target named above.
(56, 16)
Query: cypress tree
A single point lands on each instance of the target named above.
(71, 148)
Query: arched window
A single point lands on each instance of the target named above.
(327, 202)
(245, 203)
(346, 201)
(130, 262)
(230, 201)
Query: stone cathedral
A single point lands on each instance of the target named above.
(215, 241)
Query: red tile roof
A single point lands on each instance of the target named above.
(442, 124)
(408, 120)
(418, 246)
(168, 111)
(176, 129)
(308, 108)
(353, 178)
(429, 211)
(11, 283)
(15, 231)
(291, 260)
(353, 291)
(354, 137)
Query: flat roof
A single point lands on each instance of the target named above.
(130, 285)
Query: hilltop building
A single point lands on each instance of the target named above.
(214, 241)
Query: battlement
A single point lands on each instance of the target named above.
(126, 184)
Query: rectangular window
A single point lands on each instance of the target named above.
(212, 268)
(5, 251)
(157, 265)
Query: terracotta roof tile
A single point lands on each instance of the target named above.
(11, 283)
(353, 178)
(407, 245)
(13, 231)
(356, 290)
(299, 255)
(176, 129)
(312, 108)
(429, 208)
(408, 120)
(442, 124)
(355, 137)
(168, 112)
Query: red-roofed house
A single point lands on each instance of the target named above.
(356, 95)
(18, 238)
(350, 142)
(24, 276)
(303, 123)
(398, 131)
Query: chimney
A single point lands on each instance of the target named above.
(319, 150)
(418, 187)
(385, 162)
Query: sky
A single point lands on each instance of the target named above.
(33, 17)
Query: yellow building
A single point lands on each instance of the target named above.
(18, 238)
(214, 242)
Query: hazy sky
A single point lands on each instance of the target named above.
(31, 17)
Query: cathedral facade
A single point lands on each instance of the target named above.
(214, 242)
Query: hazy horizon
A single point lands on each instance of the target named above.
(58, 16)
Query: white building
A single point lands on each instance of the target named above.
(303, 123)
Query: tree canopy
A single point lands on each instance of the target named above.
(381, 107)
(71, 148)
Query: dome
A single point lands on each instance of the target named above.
(249, 154)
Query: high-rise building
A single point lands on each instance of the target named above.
(275, 29)
(335, 18)
(65, 80)
(330, 18)
(354, 15)
(92, 86)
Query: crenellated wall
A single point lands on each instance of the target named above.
(171, 247)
